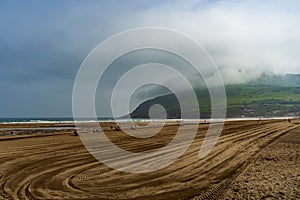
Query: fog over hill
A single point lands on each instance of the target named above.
(269, 95)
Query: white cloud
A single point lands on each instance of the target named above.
(249, 35)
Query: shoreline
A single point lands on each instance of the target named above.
(145, 120)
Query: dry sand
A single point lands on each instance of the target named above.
(250, 161)
(273, 174)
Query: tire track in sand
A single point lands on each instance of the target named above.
(59, 167)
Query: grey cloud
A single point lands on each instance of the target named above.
(249, 34)
(43, 44)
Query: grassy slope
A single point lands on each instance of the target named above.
(249, 100)
(254, 100)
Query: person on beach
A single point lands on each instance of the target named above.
(133, 127)
(117, 128)
(75, 132)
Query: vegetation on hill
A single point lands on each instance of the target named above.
(268, 96)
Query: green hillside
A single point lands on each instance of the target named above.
(264, 97)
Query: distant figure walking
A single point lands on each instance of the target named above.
(289, 120)
(117, 128)
(75, 132)
(259, 120)
(133, 127)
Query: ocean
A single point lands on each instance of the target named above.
(48, 120)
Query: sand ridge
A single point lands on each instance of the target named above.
(57, 166)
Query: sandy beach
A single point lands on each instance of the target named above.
(251, 160)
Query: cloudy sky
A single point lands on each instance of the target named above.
(43, 43)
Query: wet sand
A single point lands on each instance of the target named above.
(248, 162)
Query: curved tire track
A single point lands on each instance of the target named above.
(59, 167)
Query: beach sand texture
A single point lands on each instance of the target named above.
(250, 161)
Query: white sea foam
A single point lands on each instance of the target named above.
(142, 120)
